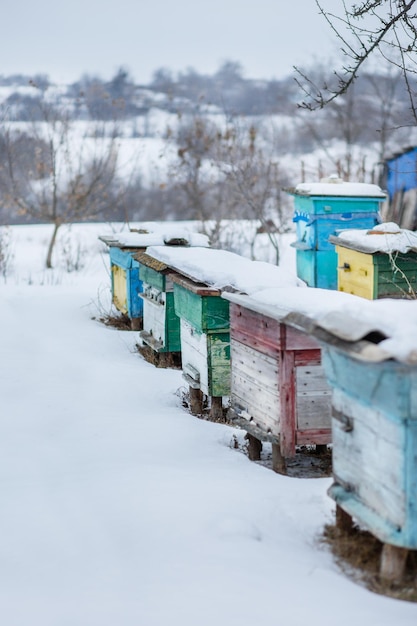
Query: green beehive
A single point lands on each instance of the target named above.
(205, 336)
(161, 325)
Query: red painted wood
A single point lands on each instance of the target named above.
(297, 340)
(307, 357)
(255, 330)
(290, 349)
(311, 436)
(287, 385)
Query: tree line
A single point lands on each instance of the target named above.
(230, 146)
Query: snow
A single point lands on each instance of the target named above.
(118, 506)
(334, 186)
(223, 269)
(387, 238)
(159, 237)
(349, 317)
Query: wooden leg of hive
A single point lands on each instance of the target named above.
(136, 323)
(196, 401)
(254, 447)
(278, 460)
(216, 408)
(393, 560)
(344, 521)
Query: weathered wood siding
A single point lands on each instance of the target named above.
(206, 358)
(375, 444)
(376, 275)
(278, 383)
(355, 272)
(119, 288)
(254, 386)
(159, 318)
(152, 277)
(204, 309)
(318, 217)
(126, 284)
(313, 398)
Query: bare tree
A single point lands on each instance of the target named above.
(192, 170)
(73, 174)
(373, 27)
(257, 179)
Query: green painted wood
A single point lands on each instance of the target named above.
(202, 312)
(218, 348)
(395, 276)
(172, 327)
(152, 277)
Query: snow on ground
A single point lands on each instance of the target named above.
(118, 506)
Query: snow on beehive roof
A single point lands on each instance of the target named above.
(386, 238)
(158, 237)
(223, 269)
(334, 186)
(346, 317)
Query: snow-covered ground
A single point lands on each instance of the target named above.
(120, 508)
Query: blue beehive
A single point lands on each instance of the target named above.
(126, 284)
(323, 209)
(400, 181)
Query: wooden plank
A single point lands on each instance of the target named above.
(194, 353)
(200, 289)
(307, 357)
(202, 312)
(297, 340)
(262, 408)
(152, 277)
(287, 385)
(313, 398)
(255, 330)
(255, 366)
(172, 325)
(218, 347)
(355, 272)
(393, 560)
(254, 386)
(369, 458)
(119, 288)
(313, 436)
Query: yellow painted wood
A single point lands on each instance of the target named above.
(355, 272)
(119, 288)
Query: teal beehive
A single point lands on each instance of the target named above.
(323, 209)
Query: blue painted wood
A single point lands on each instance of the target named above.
(317, 268)
(318, 217)
(374, 428)
(401, 172)
(124, 258)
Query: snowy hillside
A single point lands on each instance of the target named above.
(118, 506)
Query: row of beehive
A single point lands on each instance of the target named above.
(278, 391)
(277, 388)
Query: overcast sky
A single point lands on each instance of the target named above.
(66, 40)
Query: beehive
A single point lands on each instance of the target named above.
(205, 336)
(278, 389)
(371, 264)
(369, 355)
(323, 209)
(161, 325)
(125, 282)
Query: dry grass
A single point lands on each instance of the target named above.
(120, 321)
(170, 360)
(358, 554)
